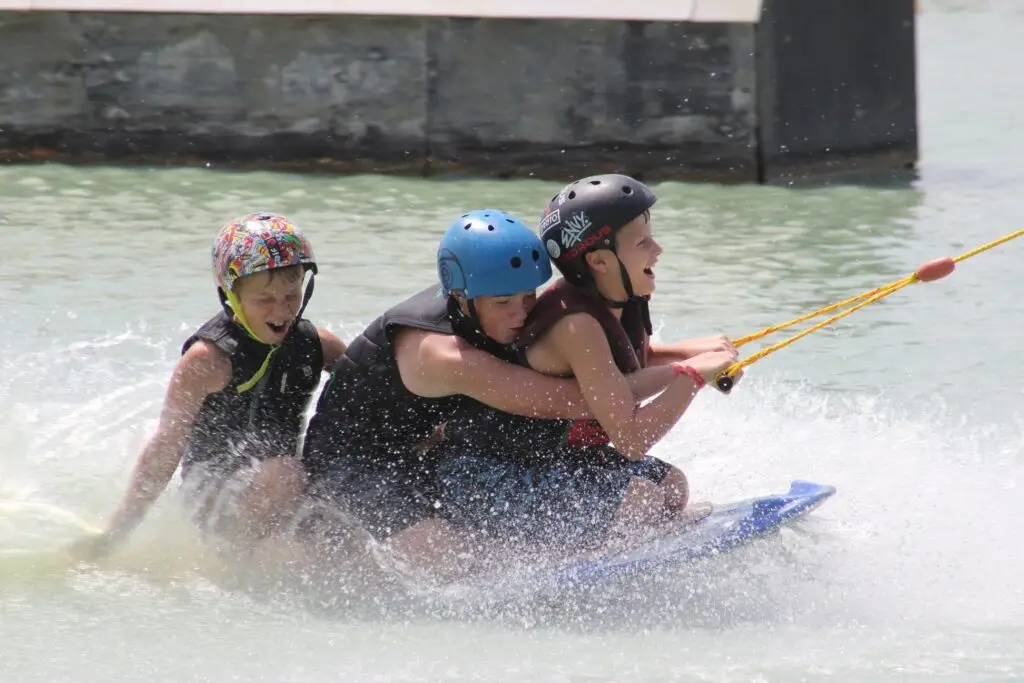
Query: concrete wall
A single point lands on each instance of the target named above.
(484, 96)
(654, 98)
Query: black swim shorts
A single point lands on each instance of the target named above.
(383, 498)
(562, 500)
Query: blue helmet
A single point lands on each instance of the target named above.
(490, 253)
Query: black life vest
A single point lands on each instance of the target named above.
(365, 412)
(255, 415)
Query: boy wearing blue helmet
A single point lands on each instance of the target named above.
(419, 364)
(560, 482)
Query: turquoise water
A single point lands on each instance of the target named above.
(910, 407)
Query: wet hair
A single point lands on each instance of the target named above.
(647, 219)
(288, 273)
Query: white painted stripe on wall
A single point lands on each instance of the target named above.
(745, 11)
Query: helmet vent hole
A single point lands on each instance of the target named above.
(595, 182)
(536, 255)
(464, 215)
(572, 195)
(467, 226)
(627, 190)
(516, 262)
(490, 228)
(509, 220)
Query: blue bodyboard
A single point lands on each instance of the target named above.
(729, 525)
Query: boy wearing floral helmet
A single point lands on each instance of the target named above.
(233, 411)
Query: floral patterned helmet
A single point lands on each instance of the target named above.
(258, 242)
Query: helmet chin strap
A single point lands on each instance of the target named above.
(233, 307)
(631, 297)
(469, 328)
(472, 318)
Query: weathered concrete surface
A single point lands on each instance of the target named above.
(653, 99)
(505, 98)
(248, 89)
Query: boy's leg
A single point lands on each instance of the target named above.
(275, 490)
(246, 502)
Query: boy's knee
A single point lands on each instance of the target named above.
(643, 502)
(676, 489)
(279, 482)
(285, 471)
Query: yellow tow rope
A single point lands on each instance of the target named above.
(928, 272)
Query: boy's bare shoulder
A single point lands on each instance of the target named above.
(204, 367)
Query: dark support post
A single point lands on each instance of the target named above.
(836, 84)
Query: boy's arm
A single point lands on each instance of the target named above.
(200, 372)
(662, 354)
(333, 347)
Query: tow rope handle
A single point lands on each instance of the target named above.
(927, 272)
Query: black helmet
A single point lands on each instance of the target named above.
(585, 216)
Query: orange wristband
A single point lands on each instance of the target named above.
(697, 378)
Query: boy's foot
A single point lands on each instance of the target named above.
(691, 514)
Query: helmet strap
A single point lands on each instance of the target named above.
(233, 308)
(469, 328)
(307, 295)
(631, 297)
(473, 318)
(627, 284)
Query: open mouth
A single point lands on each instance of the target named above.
(277, 328)
(649, 272)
